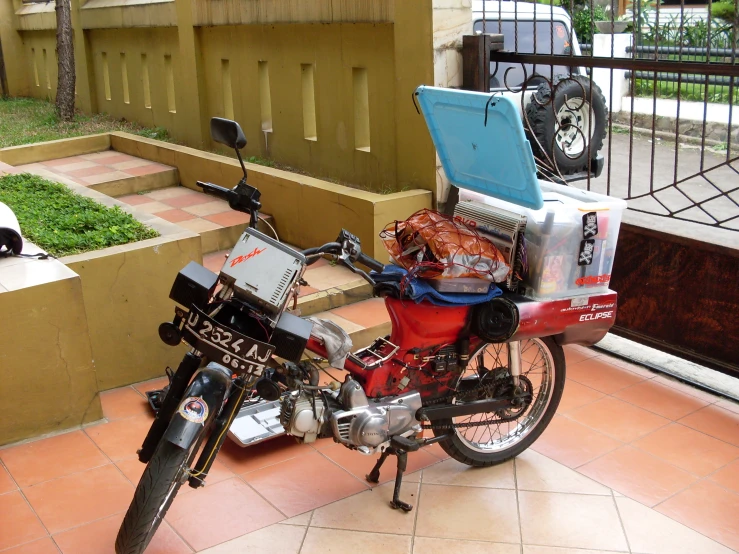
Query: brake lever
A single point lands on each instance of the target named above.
(355, 269)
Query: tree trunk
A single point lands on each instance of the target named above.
(65, 54)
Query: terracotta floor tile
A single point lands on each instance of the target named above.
(99, 537)
(573, 444)
(175, 215)
(535, 472)
(618, 419)
(728, 405)
(69, 168)
(6, 481)
(121, 439)
(135, 199)
(469, 513)
(153, 207)
(576, 395)
(147, 169)
(304, 483)
(87, 171)
(571, 521)
(208, 208)
(360, 465)
(306, 290)
(152, 384)
(97, 156)
(105, 177)
(215, 260)
(602, 376)
(436, 450)
(329, 276)
(707, 508)
(64, 161)
(717, 422)
(218, 473)
(452, 472)
(369, 511)
(41, 546)
(684, 387)
(243, 460)
(123, 166)
(45, 459)
(659, 398)
(115, 158)
(688, 449)
(574, 355)
(19, 523)
(323, 541)
(367, 313)
(275, 539)
(650, 532)
(302, 519)
(728, 477)
(638, 475)
(122, 403)
(198, 225)
(80, 498)
(186, 200)
(169, 192)
(132, 469)
(423, 545)
(219, 513)
(228, 219)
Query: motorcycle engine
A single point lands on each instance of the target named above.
(356, 421)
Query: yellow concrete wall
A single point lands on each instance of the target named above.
(45, 68)
(333, 51)
(390, 39)
(46, 363)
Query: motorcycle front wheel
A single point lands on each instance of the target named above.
(159, 484)
(491, 438)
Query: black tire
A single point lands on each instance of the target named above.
(543, 123)
(458, 448)
(162, 476)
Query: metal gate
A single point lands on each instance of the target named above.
(671, 144)
(669, 79)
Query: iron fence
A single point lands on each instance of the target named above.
(670, 136)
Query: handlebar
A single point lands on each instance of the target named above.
(347, 249)
(242, 198)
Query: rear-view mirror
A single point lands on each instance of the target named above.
(227, 132)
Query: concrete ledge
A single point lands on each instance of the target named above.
(54, 149)
(335, 297)
(139, 183)
(46, 361)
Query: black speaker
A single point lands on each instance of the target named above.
(290, 336)
(193, 285)
(496, 320)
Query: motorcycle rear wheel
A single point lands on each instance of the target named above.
(543, 367)
(154, 494)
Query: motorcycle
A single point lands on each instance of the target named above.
(485, 380)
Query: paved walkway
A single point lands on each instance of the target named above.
(633, 462)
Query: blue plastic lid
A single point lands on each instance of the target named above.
(493, 159)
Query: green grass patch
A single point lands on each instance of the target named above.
(62, 222)
(30, 120)
(692, 92)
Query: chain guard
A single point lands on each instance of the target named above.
(499, 383)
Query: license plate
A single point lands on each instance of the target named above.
(224, 345)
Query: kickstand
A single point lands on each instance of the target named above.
(399, 447)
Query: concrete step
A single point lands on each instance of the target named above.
(133, 185)
(217, 224)
(364, 321)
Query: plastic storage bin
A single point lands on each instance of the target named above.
(570, 242)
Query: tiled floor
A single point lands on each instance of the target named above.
(633, 462)
(100, 167)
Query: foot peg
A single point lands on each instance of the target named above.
(399, 446)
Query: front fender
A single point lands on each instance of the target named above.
(202, 403)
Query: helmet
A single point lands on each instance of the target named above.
(11, 240)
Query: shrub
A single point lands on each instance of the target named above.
(584, 25)
(62, 222)
(726, 11)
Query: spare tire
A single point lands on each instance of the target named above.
(569, 128)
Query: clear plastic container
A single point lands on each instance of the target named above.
(570, 242)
